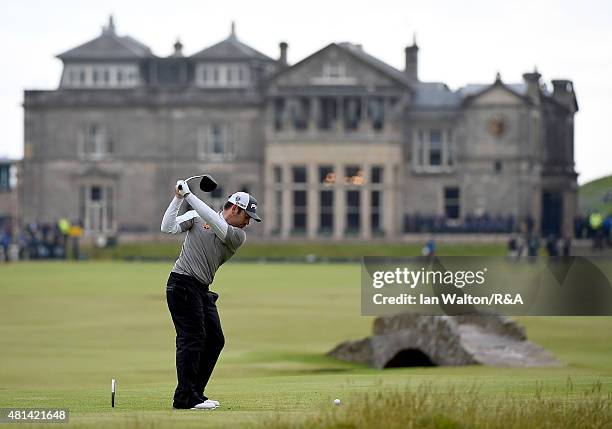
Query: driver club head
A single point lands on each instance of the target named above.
(207, 183)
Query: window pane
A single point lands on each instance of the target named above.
(435, 147)
(327, 175)
(299, 174)
(326, 199)
(376, 112)
(326, 213)
(96, 193)
(353, 211)
(299, 211)
(299, 199)
(451, 202)
(451, 193)
(353, 175)
(218, 140)
(279, 113)
(377, 174)
(328, 113)
(352, 112)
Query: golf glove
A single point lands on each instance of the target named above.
(182, 188)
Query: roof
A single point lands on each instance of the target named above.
(357, 50)
(435, 94)
(475, 88)
(439, 95)
(231, 49)
(108, 45)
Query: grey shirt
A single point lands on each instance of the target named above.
(203, 252)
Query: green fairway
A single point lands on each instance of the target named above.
(66, 329)
(295, 251)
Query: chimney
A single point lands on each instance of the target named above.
(110, 29)
(283, 53)
(178, 48)
(563, 92)
(533, 85)
(412, 61)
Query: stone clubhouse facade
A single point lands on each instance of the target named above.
(339, 145)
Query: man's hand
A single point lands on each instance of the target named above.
(184, 189)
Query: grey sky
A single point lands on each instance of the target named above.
(460, 42)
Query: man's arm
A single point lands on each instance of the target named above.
(211, 217)
(173, 224)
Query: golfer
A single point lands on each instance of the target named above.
(212, 238)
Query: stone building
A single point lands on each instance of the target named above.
(9, 207)
(338, 145)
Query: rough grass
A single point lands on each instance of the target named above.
(430, 407)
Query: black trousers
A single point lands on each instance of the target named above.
(199, 338)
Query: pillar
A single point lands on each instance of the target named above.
(365, 226)
(339, 203)
(312, 218)
(287, 217)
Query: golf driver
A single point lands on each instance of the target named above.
(207, 184)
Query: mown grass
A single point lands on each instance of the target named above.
(596, 196)
(297, 251)
(66, 329)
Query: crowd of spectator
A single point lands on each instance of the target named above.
(40, 240)
(485, 223)
(597, 227)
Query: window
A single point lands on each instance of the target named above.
(377, 174)
(328, 113)
(216, 142)
(451, 202)
(433, 150)
(299, 212)
(279, 113)
(100, 75)
(326, 214)
(300, 113)
(96, 208)
(435, 147)
(376, 112)
(5, 177)
(222, 75)
(353, 212)
(333, 73)
(353, 175)
(327, 177)
(497, 166)
(97, 142)
(352, 112)
(376, 209)
(334, 70)
(299, 174)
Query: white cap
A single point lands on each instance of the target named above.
(246, 202)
